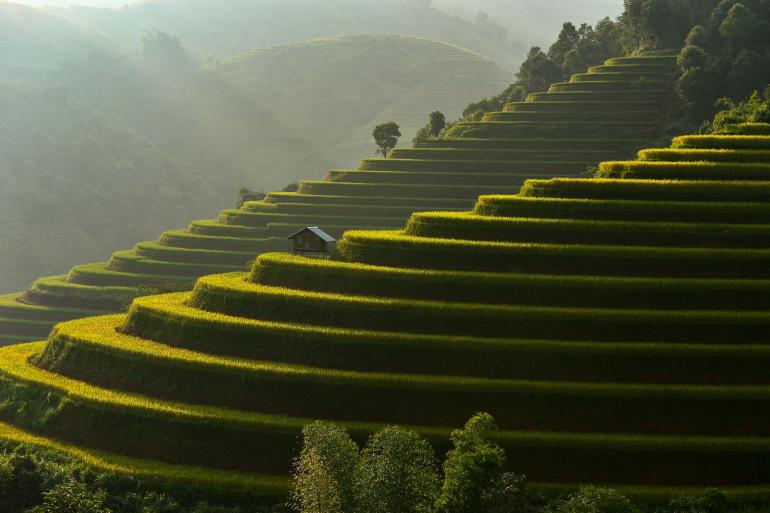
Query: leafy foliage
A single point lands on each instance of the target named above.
(316, 489)
(660, 24)
(72, 497)
(726, 55)
(437, 123)
(37, 480)
(755, 109)
(324, 472)
(575, 49)
(396, 473)
(386, 137)
(594, 500)
(472, 469)
(244, 195)
(711, 501)
(292, 187)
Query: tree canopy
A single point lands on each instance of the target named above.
(725, 55)
(386, 137)
(164, 49)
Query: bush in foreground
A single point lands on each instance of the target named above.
(396, 472)
(35, 480)
(593, 500)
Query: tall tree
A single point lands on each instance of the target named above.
(324, 471)
(472, 468)
(397, 473)
(538, 72)
(567, 40)
(386, 137)
(437, 123)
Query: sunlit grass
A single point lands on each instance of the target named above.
(698, 155)
(651, 169)
(621, 209)
(659, 190)
(727, 142)
(14, 364)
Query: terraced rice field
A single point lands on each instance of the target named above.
(603, 114)
(617, 328)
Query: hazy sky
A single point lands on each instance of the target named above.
(65, 3)
(465, 6)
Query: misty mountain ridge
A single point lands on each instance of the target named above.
(92, 130)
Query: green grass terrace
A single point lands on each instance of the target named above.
(606, 113)
(617, 327)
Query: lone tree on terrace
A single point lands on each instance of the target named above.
(386, 136)
(437, 123)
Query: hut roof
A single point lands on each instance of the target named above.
(316, 230)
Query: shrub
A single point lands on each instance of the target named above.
(72, 497)
(152, 502)
(755, 109)
(396, 473)
(472, 468)
(711, 501)
(244, 195)
(57, 481)
(26, 483)
(594, 500)
(325, 469)
(6, 475)
(510, 494)
(435, 126)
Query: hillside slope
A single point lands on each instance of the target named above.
(70, 158)
(604, 113)
(616, 327)
(348, 84)
(90, 132)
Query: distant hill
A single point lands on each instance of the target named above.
(72, 164)
(90, 131)
(348, 84)
(224, 27)
(34, 45)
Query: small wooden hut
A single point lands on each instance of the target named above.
(311, 241)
